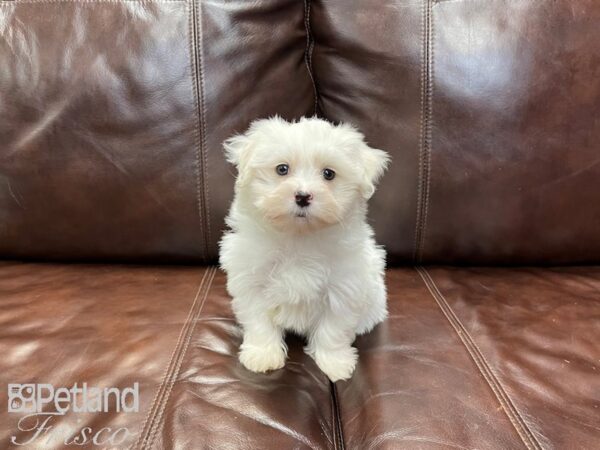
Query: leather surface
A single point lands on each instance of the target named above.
(112, 115)
(171, 330)
(515, 166)
(97, 143)
(538, 331)
(108, 326)
(480, 358)
(415, 386)
(489, 112)
(469, 358)
(110, 135)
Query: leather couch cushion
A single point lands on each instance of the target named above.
(469, 358)
(534, 333)
(489, 110)
(416, 386)
(480, 358)
(170, 330)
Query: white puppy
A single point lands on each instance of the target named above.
(300, 255)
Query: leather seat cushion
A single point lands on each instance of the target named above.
(469, 358)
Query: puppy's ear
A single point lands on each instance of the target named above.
(374, 163)
(237, 152)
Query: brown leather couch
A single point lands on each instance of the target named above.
(113, 189)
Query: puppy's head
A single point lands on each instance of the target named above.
(304, 175)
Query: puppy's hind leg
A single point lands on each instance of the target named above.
(263, 347)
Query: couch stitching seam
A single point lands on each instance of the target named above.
(310, 43)
(180, 357)
(481, 363)
(425, 130)
(199, 134)
(206, 192)
(429, 129)
(420, 149)
(197, 127)
(338, 422)
(333, 423)
(160, 391)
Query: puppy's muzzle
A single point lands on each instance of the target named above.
(303, 199)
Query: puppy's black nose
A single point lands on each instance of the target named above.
(303, 199)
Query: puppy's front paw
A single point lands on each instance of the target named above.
(337, 364)
(262, 359)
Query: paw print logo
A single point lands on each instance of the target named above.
(21, 398)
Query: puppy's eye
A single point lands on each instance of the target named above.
(328, 174)
(282, 169)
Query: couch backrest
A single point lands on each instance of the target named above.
(112, 116)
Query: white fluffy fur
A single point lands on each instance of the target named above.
(321, 275)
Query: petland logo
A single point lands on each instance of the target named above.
(43, 403)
